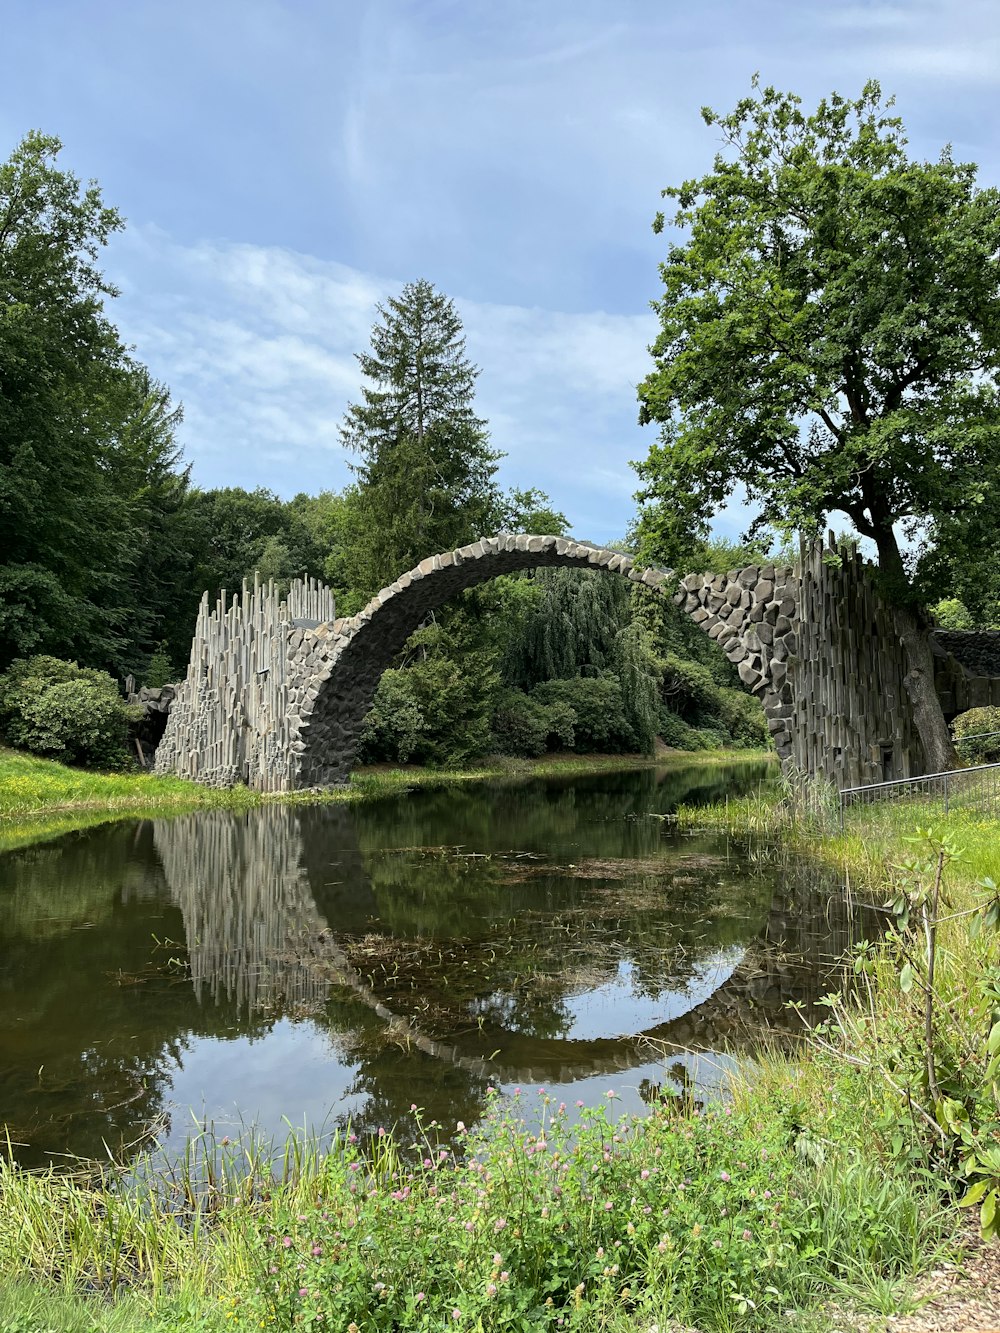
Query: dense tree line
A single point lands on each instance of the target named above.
(108, 545)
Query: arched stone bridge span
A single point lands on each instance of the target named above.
(277, 692)
(341, 664)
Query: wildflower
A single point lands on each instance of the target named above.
(456, 1314)
(579, 1104)
(420, 1296)
(460, 1126)
(413, 1106)
(287, 1242)
(767, 1194)
(303, 1291)
(600, 1251)
(381, 1131)
(354, 1166)
(491, 1289)
(353, 1328)
(505, 1276)
(611, 1094)
(725, 1176)
(608, 1206)
(317, 1250)
(716, 1244)
(643, 1175)
(497, 1258)
(499, 1224)
(696, 1229)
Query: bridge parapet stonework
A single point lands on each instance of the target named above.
(277, 690)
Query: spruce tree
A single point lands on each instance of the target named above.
(426, 471)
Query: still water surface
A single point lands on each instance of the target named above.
(317, 963)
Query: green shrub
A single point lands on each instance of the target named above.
(394, 727)
(64, 711)
(688, 688)
(743, 717)
(436, 709)
(983, 749)
(600, 722)
(953, 614)
(160, 670)
(523, 725)
(674, 731)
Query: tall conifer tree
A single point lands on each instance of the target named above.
(426, 470)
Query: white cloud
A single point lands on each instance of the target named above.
(260, 343)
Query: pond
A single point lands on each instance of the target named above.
(314, 964)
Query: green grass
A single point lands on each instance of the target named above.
(40, 798)
(715, 1220)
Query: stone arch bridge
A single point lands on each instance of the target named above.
(277, 689)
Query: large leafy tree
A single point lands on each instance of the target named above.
(425, 479)
(88, 459)
(830, 334)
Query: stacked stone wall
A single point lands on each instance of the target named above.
(751, 613)
(278, 689)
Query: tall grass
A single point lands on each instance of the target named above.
(713, 1219)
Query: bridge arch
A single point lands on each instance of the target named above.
(336, 666)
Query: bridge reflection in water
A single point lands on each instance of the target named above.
(257, 936)
(332, 961)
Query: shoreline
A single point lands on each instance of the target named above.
(39, 797)
(818, 1192)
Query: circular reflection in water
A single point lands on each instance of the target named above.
(314, 964)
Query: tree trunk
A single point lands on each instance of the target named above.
(928, 718)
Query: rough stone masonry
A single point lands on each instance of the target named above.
(278, 688)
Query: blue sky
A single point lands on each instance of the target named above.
(286, 164)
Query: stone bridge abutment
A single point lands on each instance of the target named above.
(278, 689)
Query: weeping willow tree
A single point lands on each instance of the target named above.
(570, 623)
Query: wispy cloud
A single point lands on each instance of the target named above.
(260, 344)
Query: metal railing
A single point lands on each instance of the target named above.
(976, 789)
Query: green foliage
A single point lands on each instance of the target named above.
(688, 688)
(523, 725)
(160, 670)
(425, 479)
(395, 726)
(829, 329)
(238, 532)
(971, 739)
(950, 613)
(436, 708)
(89, 478)
(743, 718)
(531, 511)
(938, 1047)
(63, 711)
(600, 719)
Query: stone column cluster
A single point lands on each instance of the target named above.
(752, 615)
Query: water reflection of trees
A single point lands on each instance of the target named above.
(95, 1016)
(422, 934)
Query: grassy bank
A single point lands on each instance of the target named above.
(40, 798)
(829, 1178)
(713, 1219)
